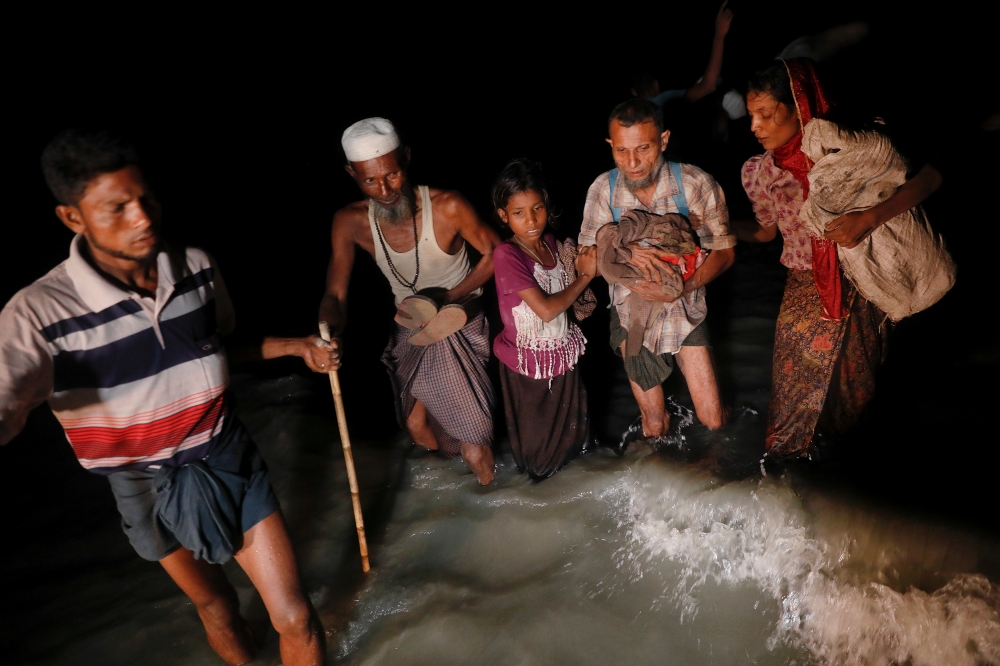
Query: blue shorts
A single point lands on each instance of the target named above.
(237, 483)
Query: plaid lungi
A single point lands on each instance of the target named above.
(449, 378)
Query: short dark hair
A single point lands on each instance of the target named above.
(74, 157)
(635, 111)
(521, 175)
(773, 81)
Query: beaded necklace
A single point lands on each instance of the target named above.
(412, 286)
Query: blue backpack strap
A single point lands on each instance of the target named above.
(616, 213)
(680, 199)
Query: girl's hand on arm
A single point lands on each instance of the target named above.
(586, 262)
(550, 306)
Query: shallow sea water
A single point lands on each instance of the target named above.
(677, 554)
(650, 560)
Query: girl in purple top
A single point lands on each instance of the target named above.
(544, 398)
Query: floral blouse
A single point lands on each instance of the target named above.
(777, 199)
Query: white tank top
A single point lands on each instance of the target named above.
(437, 267)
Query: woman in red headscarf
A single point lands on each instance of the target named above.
(829, 339)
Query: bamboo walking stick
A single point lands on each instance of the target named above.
(345, 441)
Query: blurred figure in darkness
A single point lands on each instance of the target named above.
(824, 45)
(647, 86)
(700, 116)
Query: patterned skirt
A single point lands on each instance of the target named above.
(449, 378)
(824, 371)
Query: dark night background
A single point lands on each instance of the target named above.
(239, 130)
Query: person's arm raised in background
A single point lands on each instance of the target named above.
(708, 82)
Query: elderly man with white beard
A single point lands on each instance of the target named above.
(439, 348)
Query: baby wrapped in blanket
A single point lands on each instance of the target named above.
(672, 235)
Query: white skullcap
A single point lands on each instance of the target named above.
(368, 139)
(734, 105)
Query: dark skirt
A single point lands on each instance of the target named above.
(824, 371)
(547, 425)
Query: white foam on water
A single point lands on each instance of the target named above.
(639, 560)
(646, 560)
(759, 533)
(398, 600)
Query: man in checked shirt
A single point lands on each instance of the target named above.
(644, 180)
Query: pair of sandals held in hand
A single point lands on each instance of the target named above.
(432, 324)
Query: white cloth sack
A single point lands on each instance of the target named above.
(903, 267)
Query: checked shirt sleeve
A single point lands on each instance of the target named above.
(707, 203)
(596, 211)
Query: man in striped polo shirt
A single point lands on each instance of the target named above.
(123, 339)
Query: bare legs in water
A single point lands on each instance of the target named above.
(268, 560)
(699, 372)
(478, 458)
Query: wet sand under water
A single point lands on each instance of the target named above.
(682, 555)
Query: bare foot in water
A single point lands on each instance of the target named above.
(217, 604)
(480, 461)
(658, 429)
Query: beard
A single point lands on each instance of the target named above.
(149, 257)
(644, 183)
(401, 212)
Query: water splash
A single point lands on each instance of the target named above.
(759, 533)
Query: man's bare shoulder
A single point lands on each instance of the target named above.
(352, 218)
(352, 213)
(450, 204)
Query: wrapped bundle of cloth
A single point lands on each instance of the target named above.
(903, 266)
(586, 302)
(672, 235)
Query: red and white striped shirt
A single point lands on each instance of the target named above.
(134, 381)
